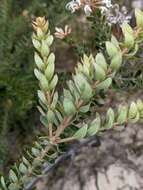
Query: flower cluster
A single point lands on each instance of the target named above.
(137, 4)
(40, 25)
(117, 15)
(89, 5)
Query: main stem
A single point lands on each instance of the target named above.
(66, 121)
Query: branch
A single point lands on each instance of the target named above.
(91, 76)
(69, 154)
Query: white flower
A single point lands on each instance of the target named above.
(87, 10)
(62, 33)
(108, 3)
(103, 9)
(73, 5)
(89, 5)
(118, 15)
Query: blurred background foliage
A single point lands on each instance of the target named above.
(18, 99)
(17, 83)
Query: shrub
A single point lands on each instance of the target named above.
(60, 113)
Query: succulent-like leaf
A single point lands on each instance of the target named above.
(49, 40)
(128, 35)
(122, 114)
(69, 106)
(116, 62)
(45, 50)
(104, 85)
(85, 108)
(133, 110)
(81, 133)
(94, 126)
(140, 105)
(39, 62)
(42, 97)
(44, 120)
(36, 44)
(115, 42)
(139, 18)
(23, 169)
(99, 72)
(50, 116)
(49, 72)
(100, 60)
(110, 117)
(3, 183)
(12, 176)
(112, 50)
(53, 82)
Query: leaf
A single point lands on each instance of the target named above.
(49, 72)
(45, 50)
(38, 74)
(35, 152)
(86, 69)
(122, 114)
(136, 118)
(83, 86)
(86, 60)
(141, 114)
(87, 93)
(42, 97)
(13, 186)
(140, 105)
(25, 161)
(67, 94)
(100, 60)
(50, 116)
(55, 100)
(133, 110)
(110, 117)
(44, 83)
(12, 176)
(40, 108)
(51, 59)
(139, 18)
(23, 169)
(39, 33)
(69, 107)
(54, 82)
(128, 35)
(42, 79)
(133, 52)
(49, 40)
(44, 120)
(81, 133)
(36, 44)
(39, 62)
(59, 116)
(73, 90)
(112, 50)
(85, 108)
(99, 72)
(127, 28)
(115, 41)
(129, 40)
(116, 62)
(3, 183)
(94, 126)
(104, 85)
